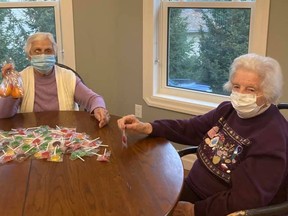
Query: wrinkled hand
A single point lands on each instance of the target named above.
(102, 115)
(6, 68)
(184, 209)
(131, 123)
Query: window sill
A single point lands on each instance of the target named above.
(180, 104)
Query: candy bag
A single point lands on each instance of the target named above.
(5, 88)
(12, 84)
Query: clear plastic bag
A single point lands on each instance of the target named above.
(5, 88)
(12, 84)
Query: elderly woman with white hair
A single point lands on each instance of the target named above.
(242, 144)
(48, 87)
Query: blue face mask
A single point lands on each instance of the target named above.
(43, 63)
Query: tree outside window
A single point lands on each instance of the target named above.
(16, 24)
(202, 43)
(189, 45)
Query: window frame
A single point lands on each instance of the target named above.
(63, 23)
(156, 93)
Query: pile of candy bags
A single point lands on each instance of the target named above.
(48, 143)
(11, 84)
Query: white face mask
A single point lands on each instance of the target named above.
(245, 105)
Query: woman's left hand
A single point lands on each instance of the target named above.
(102, 115)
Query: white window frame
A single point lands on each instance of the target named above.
(155, 91)
(63, 23)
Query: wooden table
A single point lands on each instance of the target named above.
(144, 179)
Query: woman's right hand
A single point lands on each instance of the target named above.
(132, 124)
(6, 68)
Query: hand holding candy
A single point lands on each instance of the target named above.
(132, 124)
(12, 84)
(6, 69)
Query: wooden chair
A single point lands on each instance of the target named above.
(272, 210)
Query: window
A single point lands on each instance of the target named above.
(188, 47)
(20, 18)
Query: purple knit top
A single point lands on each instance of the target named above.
(46, 98)
(242, 163)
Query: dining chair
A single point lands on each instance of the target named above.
(280, 209)
(69, 68)
(75, 72)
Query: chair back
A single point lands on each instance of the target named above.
(78, 75)
(69, 68)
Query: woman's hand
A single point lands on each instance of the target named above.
(6, 68)
(102, 115)
(131, 123)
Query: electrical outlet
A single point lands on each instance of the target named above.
(138, 111)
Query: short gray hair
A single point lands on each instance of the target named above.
(267, 68)
(39, 36)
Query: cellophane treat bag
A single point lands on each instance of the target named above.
(12, 84)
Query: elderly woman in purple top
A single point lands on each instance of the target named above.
(242, 144)
(48, 87)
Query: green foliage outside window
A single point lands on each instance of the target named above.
(16, 24)
(222, 36)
